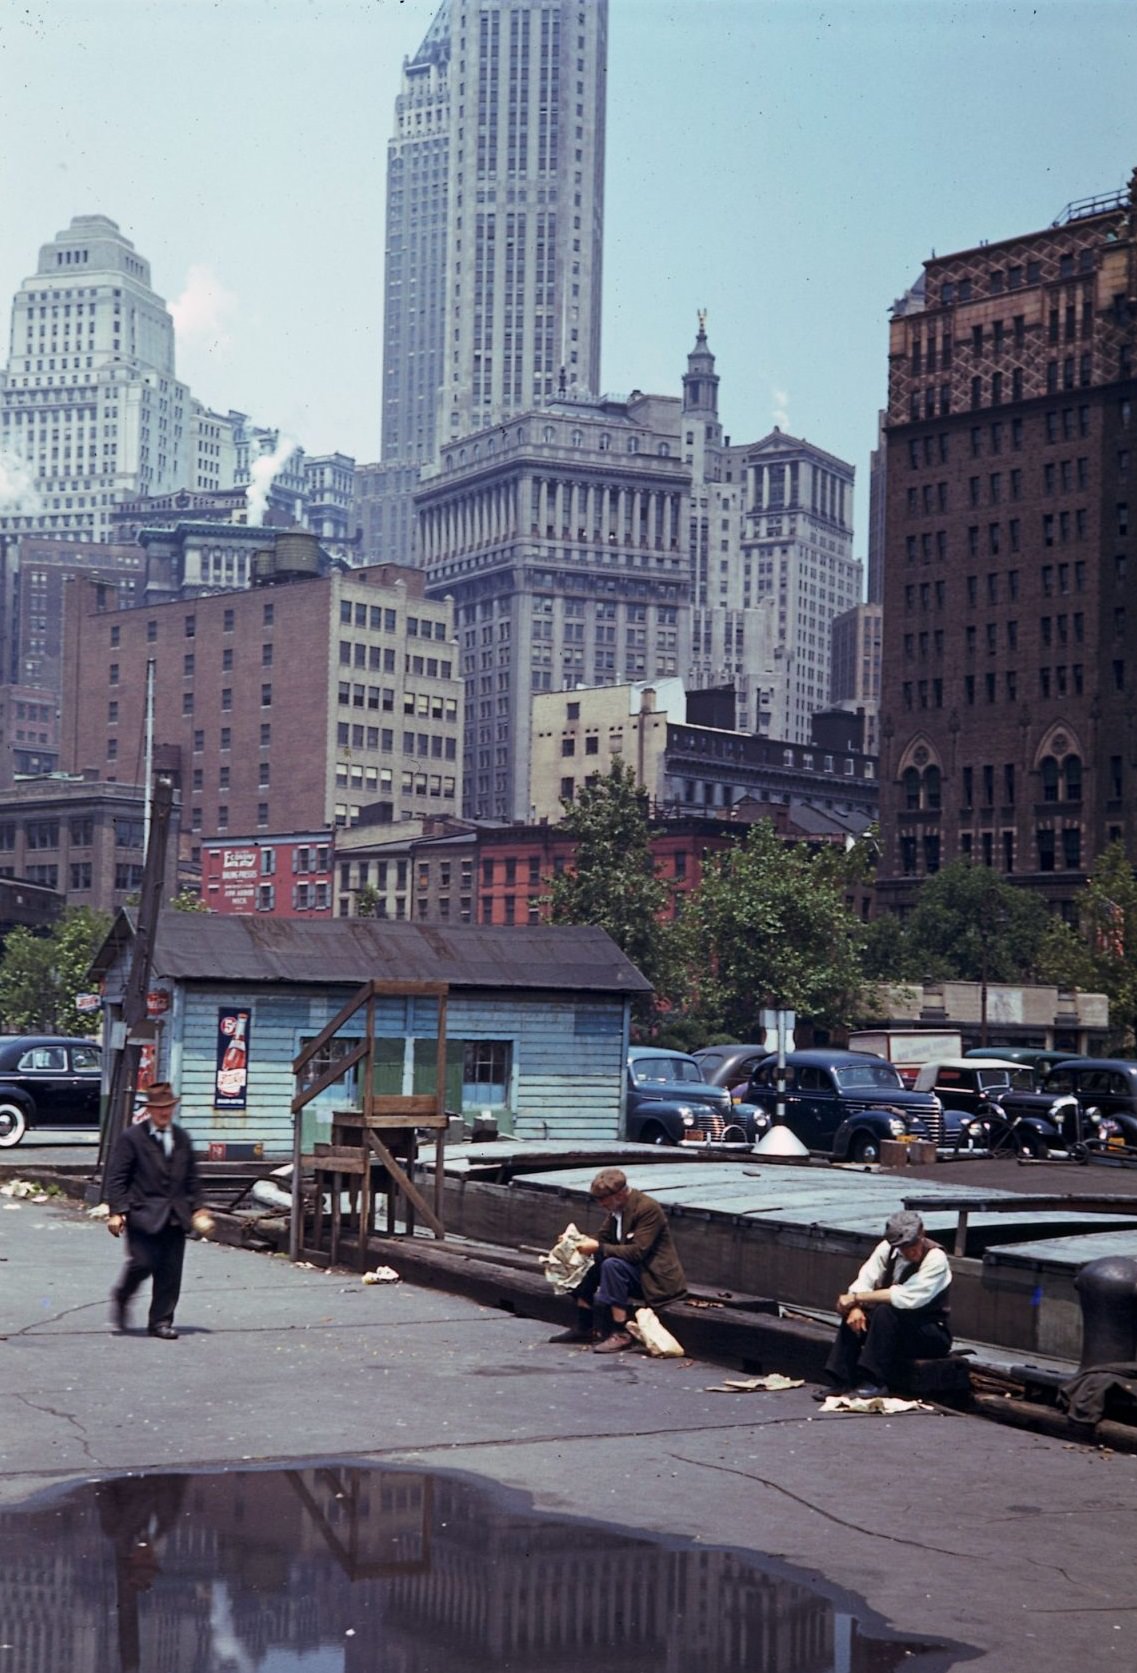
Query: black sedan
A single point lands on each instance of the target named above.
(47, 1080)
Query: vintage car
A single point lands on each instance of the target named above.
(1083, 1105)
(47, 1080)
(669, 1102)
(967, 1087)
(730, 1065)
(843, 1104)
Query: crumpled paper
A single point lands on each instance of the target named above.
(884, 1405)
(772, 1383)
(24, 1190)
(382, 1275)
(564, 1265)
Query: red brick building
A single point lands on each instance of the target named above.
(287, 876)
(285, 708)
(1009, 701)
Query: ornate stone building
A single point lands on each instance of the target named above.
(1009, 716)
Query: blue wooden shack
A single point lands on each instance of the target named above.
(537, 1023)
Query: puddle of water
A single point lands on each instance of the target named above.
(348, 1568)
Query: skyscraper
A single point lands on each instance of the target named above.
(495, 215)
(1007, 709)
(90, 408)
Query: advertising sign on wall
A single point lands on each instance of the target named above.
(239, 874)
(231, 1079)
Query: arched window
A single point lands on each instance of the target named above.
(1049, 779)
(1072, 769)
(664, 450)
(548, 433)
(932, 789)
(605, 442)
(578, 438)
(633, 444)
(911, 782)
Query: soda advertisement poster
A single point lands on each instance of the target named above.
(231, 1081)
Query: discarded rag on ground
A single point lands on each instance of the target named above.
(1086, 1396)
(565, 1265)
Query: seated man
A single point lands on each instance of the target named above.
(896, 1310)
(635, 1261)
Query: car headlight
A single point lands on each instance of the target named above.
(1061, 1108)
(897, 1125)
(687, 1117)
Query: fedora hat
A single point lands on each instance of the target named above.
(161, 1095)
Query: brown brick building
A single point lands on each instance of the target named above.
(281, 709)
(1009, 701)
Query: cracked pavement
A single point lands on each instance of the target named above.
(1017, 1548)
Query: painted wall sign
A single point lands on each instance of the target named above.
(231, 1078)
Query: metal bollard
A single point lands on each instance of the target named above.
(1107, 1291)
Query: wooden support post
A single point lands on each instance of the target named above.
(406, 1186)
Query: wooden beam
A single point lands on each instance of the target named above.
(403, 1181)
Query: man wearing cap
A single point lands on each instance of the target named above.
(896, 1310)
(153, 1193)
(635, 1261)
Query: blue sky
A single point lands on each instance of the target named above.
(785, 164)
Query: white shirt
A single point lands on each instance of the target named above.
(925, 1285)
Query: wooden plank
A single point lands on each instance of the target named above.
(344, 1014)
(334, 1072)
(409, 1190)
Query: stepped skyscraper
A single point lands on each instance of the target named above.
(495, 215)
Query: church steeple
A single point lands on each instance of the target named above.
(700, 381)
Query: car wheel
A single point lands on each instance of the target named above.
(653, 1133)
(13, 1125)
(1031, 1144)
(864, 1148)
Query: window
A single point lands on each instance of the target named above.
(486, 1066)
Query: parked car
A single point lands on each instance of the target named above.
(669, 1102)
(1084, 1103)
(845, 1103)
(1035, 1057)
(47, 1080)
(966, 1087)
(729, 1065)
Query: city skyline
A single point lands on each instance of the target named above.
(735, 129)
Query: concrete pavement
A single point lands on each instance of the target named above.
(1018, 1547)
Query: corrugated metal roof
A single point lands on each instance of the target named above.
(201, 946)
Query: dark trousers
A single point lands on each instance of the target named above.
(894, 1337)
(156, 1255)
(610, 1282)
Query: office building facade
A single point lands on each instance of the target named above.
(89, 401)
(1008, 717)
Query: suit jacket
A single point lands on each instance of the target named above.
(645, 1241)
(149, 1188)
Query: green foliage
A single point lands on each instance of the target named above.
(40, 976)
(769, 928)
(187, 900)
(969, 923)
(367, 901)
(1110, 924)
(612, 881)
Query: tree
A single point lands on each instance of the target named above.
(1110, 924)
(970, 925)
(769, 927)
(367, 901)
(187, 900)
(612, 880)
(40, 976)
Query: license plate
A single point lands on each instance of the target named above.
(695, 1135)
(1116, 1141)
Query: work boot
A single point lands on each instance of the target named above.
(616, 1343)
(579, 1332)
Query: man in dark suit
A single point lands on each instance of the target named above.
(153, 1193)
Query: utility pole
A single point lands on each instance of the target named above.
(125, 1057)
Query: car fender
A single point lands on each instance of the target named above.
(877, 1122)
(19, 1096)
(667, 1112)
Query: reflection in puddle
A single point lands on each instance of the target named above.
(351, 1569)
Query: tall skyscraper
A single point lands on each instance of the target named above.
(495, 217)
(1008, 725)
(90, 408)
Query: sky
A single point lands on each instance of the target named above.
(785, 164)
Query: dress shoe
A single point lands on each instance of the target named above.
(871, 1391)
(165, 1331)
(119, 1320)
(616, 1343)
